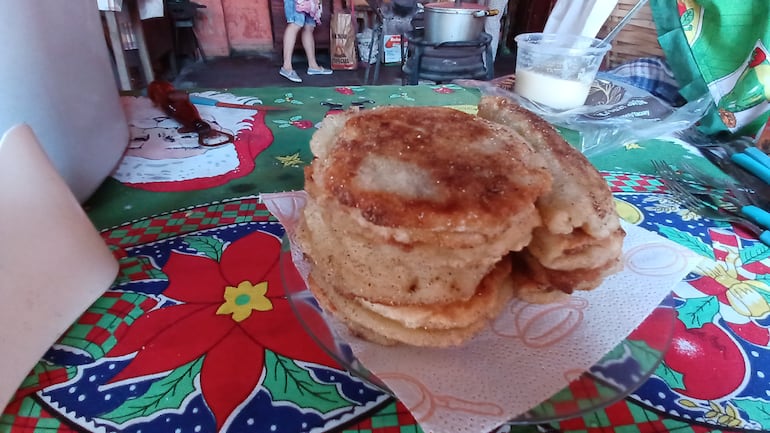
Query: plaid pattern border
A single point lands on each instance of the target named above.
(622, 417)
(628, 417)
(624, 182)
(393, 418)
(581, 394)
(95, 331)
(137, 269)
(186, 221)
(28, 416)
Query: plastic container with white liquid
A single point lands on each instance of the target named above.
(556, 70)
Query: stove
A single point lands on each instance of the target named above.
(447, 61)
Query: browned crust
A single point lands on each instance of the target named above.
(537, 284)
(579, 197)
(381, 330)
(380, 252)
(448, 146)
(575, 250)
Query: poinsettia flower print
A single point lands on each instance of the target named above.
(230, 308)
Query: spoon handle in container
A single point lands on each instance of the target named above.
(614, 32)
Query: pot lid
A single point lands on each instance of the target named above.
(452, 7)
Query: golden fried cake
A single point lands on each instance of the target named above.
(418, 202)
(429, 325)
(421, 223)
(580, 197)
(410, 215)
(575, 250)
(413, 171)
(580, 241)
(394, 273)
(537, 284)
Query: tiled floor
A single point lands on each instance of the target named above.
(258, 71)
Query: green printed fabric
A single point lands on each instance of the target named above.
(720, 47)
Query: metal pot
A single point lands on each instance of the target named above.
(455, 21)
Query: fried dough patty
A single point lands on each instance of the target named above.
(415, 205)
(580, 197)
(537, 284)
(581, 239)
(428, 326)
(363, 265)
(422, 222)
(429, 168)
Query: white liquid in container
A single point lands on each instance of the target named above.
(557, 93)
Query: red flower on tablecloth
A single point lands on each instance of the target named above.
(295, 121)
(445, 89)
(344, 90)
(303, 124)
(229, 312)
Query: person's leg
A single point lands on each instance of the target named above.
(289, 40)
(308, 43)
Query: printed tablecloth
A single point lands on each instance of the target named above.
(196, 334)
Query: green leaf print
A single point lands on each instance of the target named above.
(287, 381)
(695, 312)
(638, 350)
(687, 240)
(758, 410)
(167, 393)
(673, 378)
(211, 247)
(754, 253)
(618, 353)
(645, 355)
(687, 17)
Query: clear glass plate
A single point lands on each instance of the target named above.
(613, 378)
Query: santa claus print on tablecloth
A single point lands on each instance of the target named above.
(159, 158)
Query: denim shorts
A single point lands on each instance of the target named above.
(293, 16)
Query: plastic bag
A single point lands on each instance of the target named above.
(365, 46)
(615, 114)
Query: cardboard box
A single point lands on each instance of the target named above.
(392, 48)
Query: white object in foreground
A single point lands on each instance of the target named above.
(53, 264)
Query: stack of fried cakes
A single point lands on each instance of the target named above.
(421, 221)
(580, 241)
